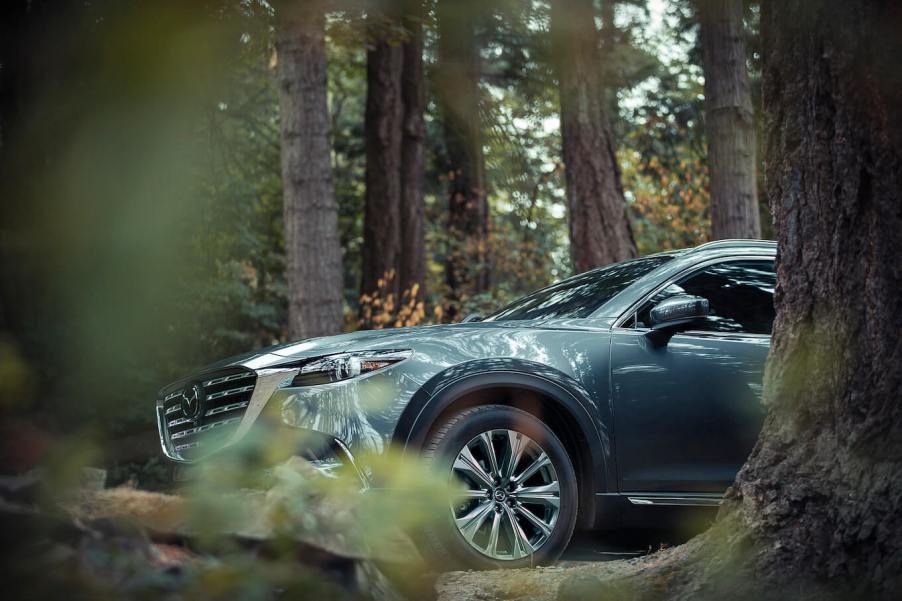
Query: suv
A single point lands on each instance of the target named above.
(597, 402)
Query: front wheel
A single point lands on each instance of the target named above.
(517, 488)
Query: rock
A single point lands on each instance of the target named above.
(123, 540)
(580, 587)
(126, 516)
(586, 587)
(155, 511)
(93, 478)
(24, 488)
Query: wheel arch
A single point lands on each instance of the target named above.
(548, 394)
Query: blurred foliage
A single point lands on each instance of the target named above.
(102, 219)
(380, 309)
(293, 501)
(256, 523)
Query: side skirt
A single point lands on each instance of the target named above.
(654, 510)
(681, 501)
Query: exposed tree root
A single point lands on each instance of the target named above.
(726, 562)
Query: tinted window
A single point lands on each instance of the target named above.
(580, 295)
(740, 293)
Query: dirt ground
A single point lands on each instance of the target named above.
(590, 556)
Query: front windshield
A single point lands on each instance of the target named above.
(580, 295)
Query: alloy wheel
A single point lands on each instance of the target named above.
(511, 498)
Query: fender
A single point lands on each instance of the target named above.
(437, 394)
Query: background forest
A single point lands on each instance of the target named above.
(149, 153)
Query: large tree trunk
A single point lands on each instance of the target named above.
(382, 132)
(457, 84)
(312, 246)
(729, 121)
(816, 512)
(600, 231)
(823, 488)
(412, 263)
(608, 42)
(393, 252)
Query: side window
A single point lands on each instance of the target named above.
(740, 293)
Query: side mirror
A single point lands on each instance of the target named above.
(670, 314)
(471, 317)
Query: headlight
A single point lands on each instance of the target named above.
(345, 366)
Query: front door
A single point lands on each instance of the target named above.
(687, 413)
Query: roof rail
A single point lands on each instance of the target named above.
(733, 243)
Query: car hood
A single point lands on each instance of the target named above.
(393, 338)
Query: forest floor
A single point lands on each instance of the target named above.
(591, 560)
(159, 546)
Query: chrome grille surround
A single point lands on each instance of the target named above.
(233, 399)
(224, 398)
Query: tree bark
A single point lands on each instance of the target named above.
(312, 247)
(600, 231)
(729, 121)
(823, 487)
(816, 511)
(608, 27)
(412, 263)
(608, 40)
(457, 85)
(382, 133)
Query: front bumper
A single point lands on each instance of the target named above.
(328, 456)
(271, 429)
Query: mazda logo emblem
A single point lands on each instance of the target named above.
(192, 399)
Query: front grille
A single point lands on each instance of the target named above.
(190, 433)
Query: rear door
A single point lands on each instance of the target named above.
(686, 414)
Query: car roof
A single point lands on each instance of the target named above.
(733, 244)
(681, 260)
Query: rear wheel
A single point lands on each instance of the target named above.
(518, 500)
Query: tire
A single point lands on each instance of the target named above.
(465, 537)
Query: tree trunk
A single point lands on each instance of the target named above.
(729, 121)
(608, 27)
(608, 42)
(457, 85)
(816, 511)
(312, 247)
(823, 487)
(412, 263)
(382, 132)
(600, 231)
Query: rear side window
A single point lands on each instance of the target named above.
(740, 293)
(580, 295)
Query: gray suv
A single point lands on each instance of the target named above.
(598, 402)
